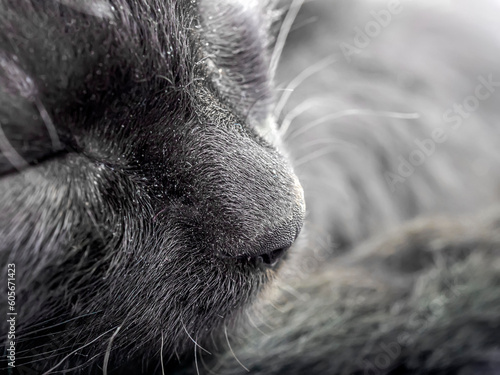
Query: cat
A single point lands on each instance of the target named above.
(153, 202)
(151, 207)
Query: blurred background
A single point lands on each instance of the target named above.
(390, 111)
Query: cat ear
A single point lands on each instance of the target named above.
(27, 133)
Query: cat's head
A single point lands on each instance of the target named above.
(145, 194)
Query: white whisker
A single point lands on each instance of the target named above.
(75, 351)
(314, 155)
(352, 112)
(328, 141)
(304, 23)
(294, 83)
(294, 292)
(206, 367)
(195, 343)
(196, 360)
(108, 352)
(161, 356)
(10, 153)
(255, 325)
(260, 317)
(299, 110)
(283, 34)
(275, 307)
(232, 352)
(54, 137)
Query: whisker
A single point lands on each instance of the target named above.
(10, 153)
(314, 155)
(300, 109)
(195, 343)
(99, 8)
(165, 78)
(72, 369)
(55, 325)
(255, 325)
(196, 360)
(294, 292)
(37, 337)
(258, 314)
(54, 137)
(275, 307)
(108, 352)
(329, 141)
(250, 109)
(304, 23)
(205, 366)
(352, 112)
(301, 77)
(43, 355)
(231, 349)
(161, 356)
(75, 351)
(283, 35)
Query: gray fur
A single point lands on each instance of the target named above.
(133, 225)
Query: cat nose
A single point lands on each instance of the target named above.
(276, 246)
(269, 231)
(271, 248)
(270, 260)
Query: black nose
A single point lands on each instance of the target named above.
(274, 245)
(271, 259)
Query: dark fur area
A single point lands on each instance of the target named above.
(129, 234)
(144, 177)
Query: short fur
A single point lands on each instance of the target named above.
(132, 227)
(142, 167)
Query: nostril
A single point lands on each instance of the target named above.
(276, 244)
(268, 260)
(267, 250)
(272, 258)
